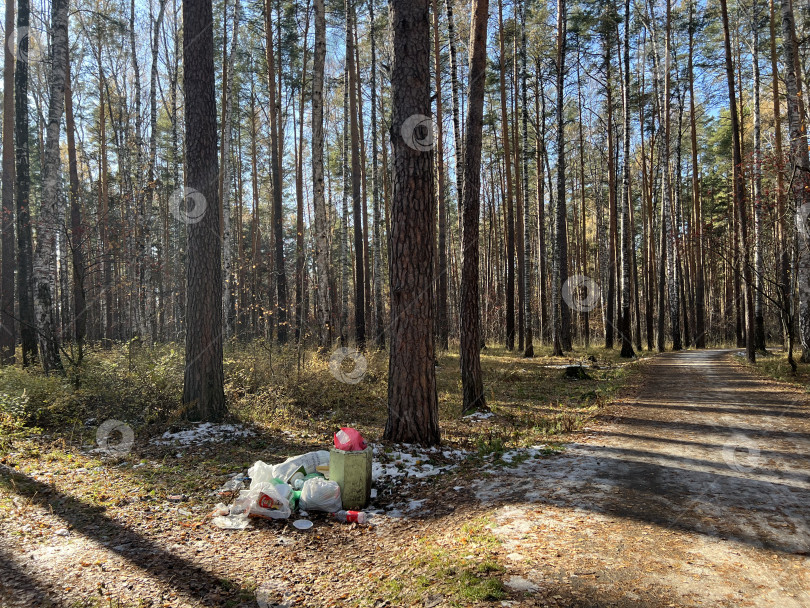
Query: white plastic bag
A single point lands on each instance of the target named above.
(320, 495)
(295, 467)
(267, 501)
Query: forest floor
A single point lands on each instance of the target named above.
(689, 489)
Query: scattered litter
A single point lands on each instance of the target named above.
(349, 440)
(320, 495)
(204, 432)
(351, 516)
(62, 532)
(177, 498)
(231, 522)
(479, 416)
(295, 467)
(302, 524)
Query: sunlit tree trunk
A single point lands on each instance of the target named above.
(527, 223)
(739, 190)
(413, 411)
(203, 392)
(48, 222)
(625, 326)
(319, 202)
(759, 259)
(472, 384)
(801, 171)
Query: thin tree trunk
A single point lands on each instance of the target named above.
(759, 259)
(455, 94)
(48, 222)
(562, 314)
(441, 190)
(8, 329)
(225, 173)
(379, 306)
(319, 203)
(739, 189)
(77, 236)
(697, 227)
(510, 214)
(275, 164)
(471, 378)
(625, 327)
(25, 256)
(800, 175)
(357, 200)
(527, 224)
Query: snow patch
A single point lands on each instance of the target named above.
(204, 432)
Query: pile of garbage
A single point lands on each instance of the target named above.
(299, 484)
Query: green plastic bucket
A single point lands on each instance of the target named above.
(352, 472)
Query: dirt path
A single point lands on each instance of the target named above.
(694, 492)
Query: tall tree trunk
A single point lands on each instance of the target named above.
(300, 252)
(759, 259)
(782, 249)
(413, 411)
(77, 236)
(800, 175)
(697, 210)
(275, 165)
(471, 378)
(625, 326)
(527, 223)
(25, 255)
(225, 174)
(357, 200)
(739, 189)
(510, 213)
(48, 222)
(562, 314)
(8, 330)
(319, 203)
(377, 243)
(455, 93)
(441, 190)
(203, 392)
(610, 312)
(542, 256)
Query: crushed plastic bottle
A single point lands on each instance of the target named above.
(351, 516)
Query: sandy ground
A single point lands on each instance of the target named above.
(694, 492)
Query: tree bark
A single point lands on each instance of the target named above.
(527, 224)
(471, 378)
(319, 203)
(357, 200)
(739, 190)
(203, 392)
(800, 173)
(442, 331)
(25, 255)
(8, 329)
(275, 164)
(625, 327)
(697, 210)
(413, 412)
(561, 312)
(48, 222)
